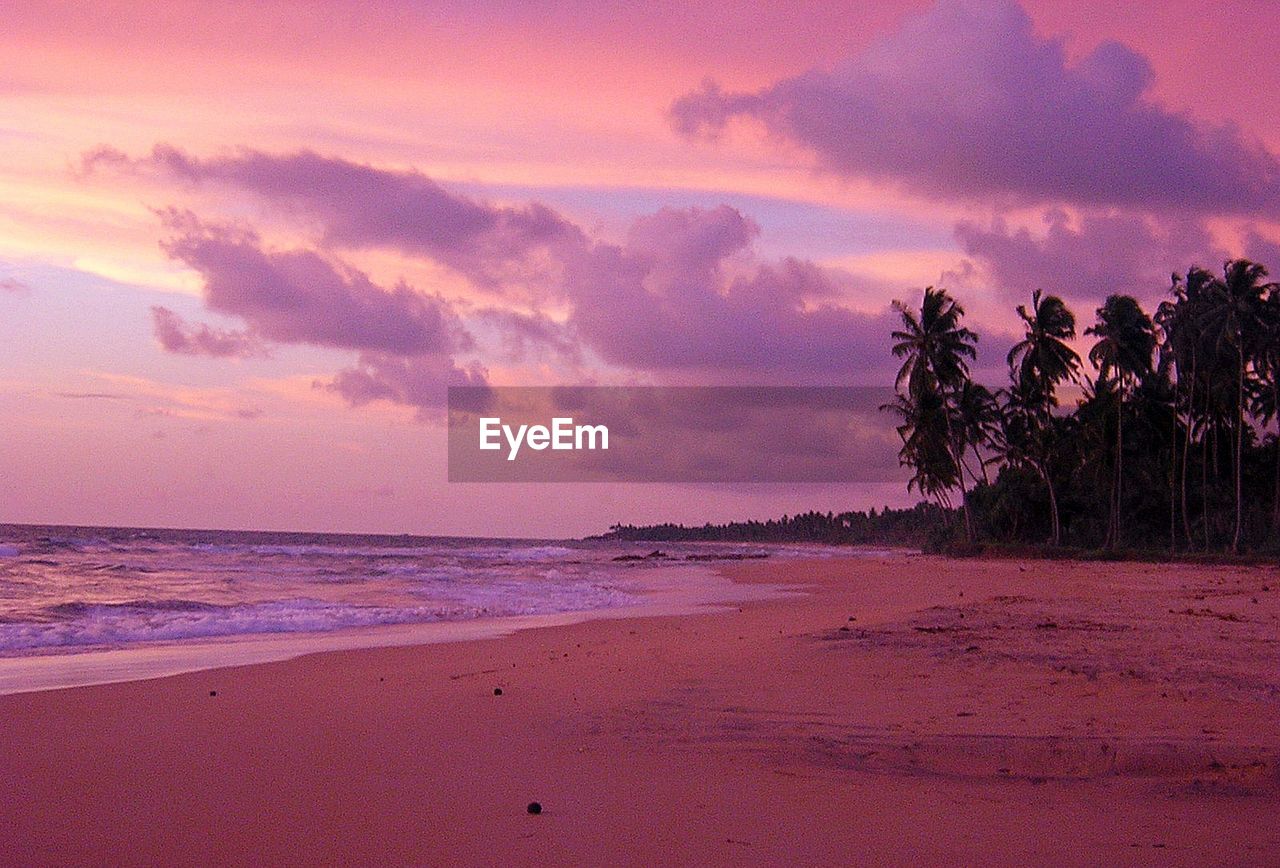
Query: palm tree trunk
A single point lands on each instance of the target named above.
(1173, 480)
(957, 459)
(1217, 454)
(1204, 489)
(1235, 539)
(1186, 452)
(972, 473)
(1275, 408)
(982, 465)
(1055, 523)
(964, 506)
(1117, 486)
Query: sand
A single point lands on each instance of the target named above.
(991, 712)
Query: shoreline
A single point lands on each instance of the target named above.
(669, 590)
(988, 711)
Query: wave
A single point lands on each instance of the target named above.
(83, 625)
(64, 589)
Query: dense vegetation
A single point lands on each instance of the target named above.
(918, 526)
(1172, 444)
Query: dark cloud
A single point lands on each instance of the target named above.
(299, 296)
(178, 336)
(967, 102)
(684, 293)
(1087, 259)
(418, 381)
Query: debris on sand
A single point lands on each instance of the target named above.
(655, 555)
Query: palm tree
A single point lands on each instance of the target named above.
(1183, 356)
(1266, 394)
(925, 446)
(1042, 358)
(933, 346)
(977, 417)
(1037, 364)
(1126, 342)
(935, 349)
(1237, 320)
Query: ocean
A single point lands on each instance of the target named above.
(194, 598)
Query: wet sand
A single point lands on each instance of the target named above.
(903, 710)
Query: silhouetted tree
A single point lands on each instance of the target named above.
(1037, 364)
(1122, 354)
(935, 349)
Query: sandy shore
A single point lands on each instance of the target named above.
(901, 711)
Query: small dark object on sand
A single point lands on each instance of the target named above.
(535, 808)
(213, 693)
(497, 691)
(656, 554)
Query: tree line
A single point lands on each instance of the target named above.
(1172, 444)
(916, 526)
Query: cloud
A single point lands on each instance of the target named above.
(12, 284)
(177, 336)
(1089, 258)
(418, 381)
(359, 206)
(967, 102)
(524, 334)
(682, 295)
(299, 296)
(405, 338)
(1262, 249)
(685, 293)
(94, 396)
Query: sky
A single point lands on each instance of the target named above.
(245, 247)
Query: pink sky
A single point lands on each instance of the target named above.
(244, 246)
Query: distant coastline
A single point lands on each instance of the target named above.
(921, 526)
(925, 526)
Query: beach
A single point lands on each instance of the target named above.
(898, 710)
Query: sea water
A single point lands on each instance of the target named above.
(186, 599)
